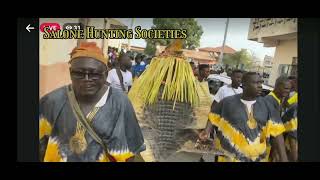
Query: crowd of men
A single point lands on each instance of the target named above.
(92, 119)
(248, 127)
(125, 67)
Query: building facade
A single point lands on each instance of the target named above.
(267, 68)
(282, 34)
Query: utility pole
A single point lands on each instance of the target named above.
(223, 44)
(132, 21)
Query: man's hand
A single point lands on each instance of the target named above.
(204, 142)
(293, 150)
(278, 144)
(203, 135)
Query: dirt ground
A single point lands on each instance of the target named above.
(147, 155)
(187, 153)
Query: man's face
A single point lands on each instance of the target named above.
(283, 89)
(293, 84)
(138, 60)
(236, 79)
(126, 61)
(254, 86)
(87, 76)
(205, 72)
(194, 70)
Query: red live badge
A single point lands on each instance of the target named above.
(51, 26)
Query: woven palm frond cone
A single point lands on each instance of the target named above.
(174, 73)
(164, 93)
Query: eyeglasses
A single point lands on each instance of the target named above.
(82, 75)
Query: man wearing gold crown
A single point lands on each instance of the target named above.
(88, 121)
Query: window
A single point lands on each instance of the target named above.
(289, 69)
(294, 69)
(284, 69)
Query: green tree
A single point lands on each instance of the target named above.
(194, 32)
(238, 58)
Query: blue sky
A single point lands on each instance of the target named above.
(213, 32)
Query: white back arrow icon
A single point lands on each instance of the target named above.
(28, 28)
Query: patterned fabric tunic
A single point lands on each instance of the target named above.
(114, 121)
(240, 137)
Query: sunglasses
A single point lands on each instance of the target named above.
(82, 75)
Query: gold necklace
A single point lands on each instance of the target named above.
(252, 123)
(78, 143)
